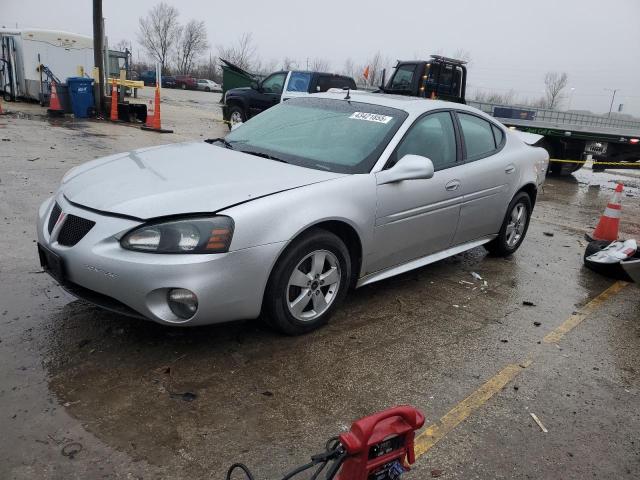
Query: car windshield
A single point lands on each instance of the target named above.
(325, 134)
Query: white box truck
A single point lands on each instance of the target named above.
(22, 51)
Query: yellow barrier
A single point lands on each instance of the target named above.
(127, 83)
(582, 162)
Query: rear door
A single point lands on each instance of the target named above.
(488, 179)
(415, 218)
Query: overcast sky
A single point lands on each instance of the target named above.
(512, 43)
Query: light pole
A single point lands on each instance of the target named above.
(571, 97)
(612, 99)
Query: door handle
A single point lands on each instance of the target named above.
(452, 185)
(510, 169)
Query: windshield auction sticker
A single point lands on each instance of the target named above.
(371, 117)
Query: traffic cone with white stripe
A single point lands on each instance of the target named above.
(114, 101)
(607, 228)
(55, 108)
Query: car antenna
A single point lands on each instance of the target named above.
(348, 97)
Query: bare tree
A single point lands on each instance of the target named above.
(554, 84)
(319, 65)
(289, 63)
(122, 45)
(159, 32)
(242, 53)
(191, 44)
(349, 68)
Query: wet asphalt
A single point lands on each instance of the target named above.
(88, 394)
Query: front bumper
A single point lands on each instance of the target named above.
(229, 286)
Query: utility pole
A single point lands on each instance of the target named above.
(612, 99)
(98, 49)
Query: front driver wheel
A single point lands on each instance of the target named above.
(514, 227)
(308, 283)
(236, 115)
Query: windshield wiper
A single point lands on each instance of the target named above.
(220, 140)
(264, 155)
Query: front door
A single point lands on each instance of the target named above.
(415, 218)
(269, 93)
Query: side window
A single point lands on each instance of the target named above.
(403, 78)
(299, 82)
(498, 135)
(274, 83)
(432, 137)
(478, 136)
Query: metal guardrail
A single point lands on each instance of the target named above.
(554, 116)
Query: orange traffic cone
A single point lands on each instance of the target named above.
(55, 108)
(153, 119)
(607, 228)
(114, 101)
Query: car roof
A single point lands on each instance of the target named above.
(412, 105)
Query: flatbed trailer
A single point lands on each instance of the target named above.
(571, 137)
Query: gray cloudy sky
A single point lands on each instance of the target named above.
(512, 43)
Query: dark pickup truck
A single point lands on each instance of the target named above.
(240, 104)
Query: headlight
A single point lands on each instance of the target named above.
(192, 235)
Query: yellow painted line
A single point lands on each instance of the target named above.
(463, 410)
(433, 434)
(574, 320)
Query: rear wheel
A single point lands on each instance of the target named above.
(207, 89)
(308, 283)
(514, 227)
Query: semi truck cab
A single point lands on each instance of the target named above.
(440, 77)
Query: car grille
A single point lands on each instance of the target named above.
(55, 214)
(73, 230)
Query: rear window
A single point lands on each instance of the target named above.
(478, 136)
(325, 82)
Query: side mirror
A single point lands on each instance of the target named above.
(409, 167)
(255, 85)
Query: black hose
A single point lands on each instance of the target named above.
(242, 467)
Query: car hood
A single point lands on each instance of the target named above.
(181, 178)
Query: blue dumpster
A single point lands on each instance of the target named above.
(81, 93)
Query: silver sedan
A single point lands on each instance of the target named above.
(290, 210)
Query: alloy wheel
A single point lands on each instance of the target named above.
(517, 224)
(313, 285)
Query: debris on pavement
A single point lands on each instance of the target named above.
(537, 420)
(436, 472)
(537, 324)
(608, 258)
(71, 449)
(33, 159)
(528, 303)
(548, 234)
(476, 276)
(186, 396)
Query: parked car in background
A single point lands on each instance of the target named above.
(168, 81)
(208, 85)
(290, 210)
(148, 77)
(186, 82)
(240, 104)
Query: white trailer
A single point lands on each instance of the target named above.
(22, 51)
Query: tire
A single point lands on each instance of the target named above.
(293, 309)
(504, 244)
(235, 111)
(207, 89)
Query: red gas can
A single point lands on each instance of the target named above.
(380, 447)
